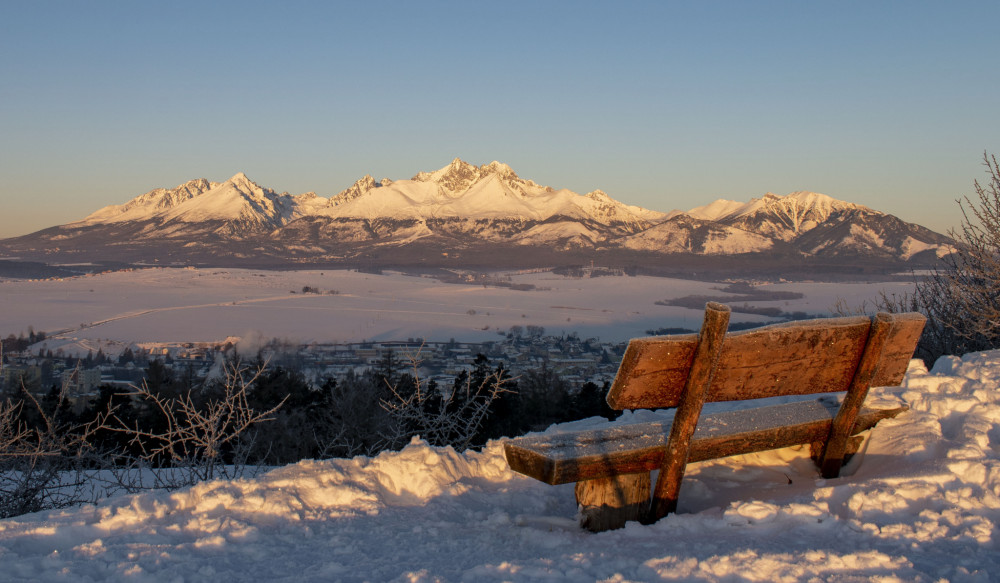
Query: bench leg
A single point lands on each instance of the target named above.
(840, 431)
(607, 503)
(816, 449)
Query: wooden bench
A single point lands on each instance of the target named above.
(611, 467)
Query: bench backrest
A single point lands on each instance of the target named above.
(794, 358)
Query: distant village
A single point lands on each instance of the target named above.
(27, 362)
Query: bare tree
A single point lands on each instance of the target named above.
(975, 266)
(962, 298)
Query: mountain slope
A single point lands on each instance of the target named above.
(491, 191)
(687, 234)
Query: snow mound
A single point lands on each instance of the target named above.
(920, 502)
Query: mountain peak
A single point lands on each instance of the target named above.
(456, 177)
(495, 167)
(241, 181)
(808, 198)
(363, 185)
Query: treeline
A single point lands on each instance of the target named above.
(20, 343)
(381, 408)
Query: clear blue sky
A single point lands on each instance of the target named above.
(661, 104)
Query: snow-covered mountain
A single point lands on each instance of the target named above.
(461, 207)
(488, 203)
(683, 233)
(235, 207)
(818, 225)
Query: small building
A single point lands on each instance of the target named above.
(79, 381)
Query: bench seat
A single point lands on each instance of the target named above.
(625, 449)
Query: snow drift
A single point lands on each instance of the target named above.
(919, 503)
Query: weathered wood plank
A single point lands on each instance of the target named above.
(703, 369)
(608, 503)
(653, 372)
(629, 449)
(794, 358)
(775, 360)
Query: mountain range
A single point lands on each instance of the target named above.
(475, 212)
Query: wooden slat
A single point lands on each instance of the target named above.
(793, 358)
(629, 449)
(653, 372)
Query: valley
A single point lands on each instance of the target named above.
(171, 305)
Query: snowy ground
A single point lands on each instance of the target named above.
(920, 504)
(191, 305)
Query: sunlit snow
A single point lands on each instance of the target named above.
(920, 503)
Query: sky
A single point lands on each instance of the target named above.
(665, 105)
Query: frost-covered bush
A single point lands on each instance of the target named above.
(961, 299)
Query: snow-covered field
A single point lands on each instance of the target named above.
(190, 305)
(921, 503)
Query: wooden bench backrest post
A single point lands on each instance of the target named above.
(703, 368)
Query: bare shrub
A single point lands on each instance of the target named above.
(46, 467)
(197, 441)
(453, 418)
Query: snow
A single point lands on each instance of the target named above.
(679, 236)
(802, 210)
(150, 204)
(795, 205)
(911, 247)
(715, 210)
(209, 305)
(919, 503)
